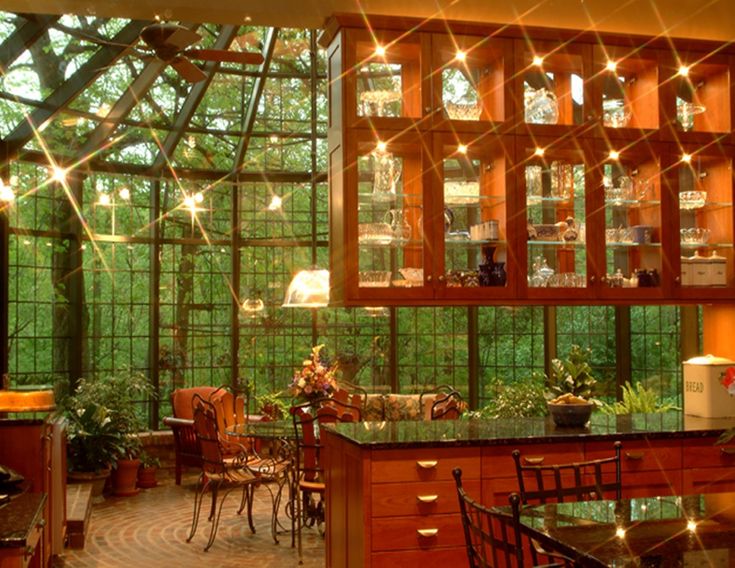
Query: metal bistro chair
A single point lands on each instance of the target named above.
(309, 484)
(442, 403)
(580, 481)
(493, 537)
(219, 471)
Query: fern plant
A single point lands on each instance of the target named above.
(637, 399)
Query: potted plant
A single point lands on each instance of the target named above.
(272, 405)
(103, 422)
(148, 468)
(571, 383)
(125, 468)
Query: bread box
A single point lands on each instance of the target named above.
(704, 395)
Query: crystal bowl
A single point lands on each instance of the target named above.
(570, 414)
(374, 278)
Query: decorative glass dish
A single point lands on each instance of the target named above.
(614, 113)
(692, 199)
(461, 192)
(374, 278)
(463, 111)
(375, 233)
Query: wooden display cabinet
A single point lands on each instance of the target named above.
(624, 91)
(697, 97)
(578, 97)
(635, 236)
(475, 186)
(559, 210)
(549, 87)
(703, 179)
(471, 83)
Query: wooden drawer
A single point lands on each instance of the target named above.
(703, 452)
(497, 461)
(652, 483)
(495, 492)
(708, 480)
(639, 455)
(401, 533)
(439, 558)
(432, 464)
(419, 498)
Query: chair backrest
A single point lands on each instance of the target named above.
(332, 410)
(578, 481)
(308, 449)
(205, 427)
(493, 537)
(442, 403)
(181, 400)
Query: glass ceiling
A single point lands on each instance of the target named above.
(95, 92)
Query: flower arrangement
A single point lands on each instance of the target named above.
(316, 378)
(727, 380)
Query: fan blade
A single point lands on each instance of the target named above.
(188, 70)
(183, 38)
(224, 55)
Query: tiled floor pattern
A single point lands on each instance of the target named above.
(150, 530)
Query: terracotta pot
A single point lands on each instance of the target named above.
(125, 477)
(147, 477)
(96, 478)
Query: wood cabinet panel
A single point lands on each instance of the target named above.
(420, 498)
(424, 465)
(434, 558)
(497, 461)
(652, 483)
(709, 480)
(704, 452)
(640, 455)
(402, 533)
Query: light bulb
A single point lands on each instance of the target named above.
(691, 525)
(189, 202)
(275, 204)
(462, 149)
(620, 532)
(614, 154)
(460, 55)
(381, 146)
(686, 158)
(379, 51)
(683, 71)
(58, 174)
(611, 66)
(538, 61)
(538, 152)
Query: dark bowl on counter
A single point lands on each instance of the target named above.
(574, 415)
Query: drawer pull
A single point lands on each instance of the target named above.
(729, 451)
(634, 455)
(427, 464)
(534, 461)
(428, 498)
(426, 533)
(41, 523)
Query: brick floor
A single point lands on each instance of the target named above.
(150, 529)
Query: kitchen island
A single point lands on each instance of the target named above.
(391, 499)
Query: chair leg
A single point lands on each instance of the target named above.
(251, 497)
(202, 485)
(178, 470)
(215, 518)
(213, 508)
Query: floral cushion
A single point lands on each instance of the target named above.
(402, 407)
(373, 410)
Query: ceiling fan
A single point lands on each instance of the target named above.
(170, 42)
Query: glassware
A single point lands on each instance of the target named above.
(374, 278)
(685, 113)
(534, 187)
(461, 192)
(692, 199)
(540, 106)
(541, 273)
(386, 172)
(448, 220)
(463, 110)
(614, 113)
(695, 235)
(398, 224)
(374, 102)
(562, 180)
(375, 233)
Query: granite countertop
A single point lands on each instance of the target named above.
(19, 517)
(527, 430)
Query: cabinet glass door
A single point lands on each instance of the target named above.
(475, 221)
(704, 197)
(389, 215)
(555, 215)
(633, 231)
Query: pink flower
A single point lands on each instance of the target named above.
(728, 380)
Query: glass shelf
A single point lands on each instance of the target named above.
(557, 243)
(393, 243)
(533, 200)
(630, 203)
(382, 198)
(467, 200)
(632, 244)
(705, 245)
(471, 243)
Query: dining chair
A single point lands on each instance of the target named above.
(494, 537)
(442, 403)
(220, 472)
(589, 480)
(310, 487)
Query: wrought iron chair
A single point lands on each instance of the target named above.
(186, 447)
(309, 484)
(578, 481)
(494, 537)
(219, 472)
(442, 403)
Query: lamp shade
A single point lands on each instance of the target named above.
(308, 289)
